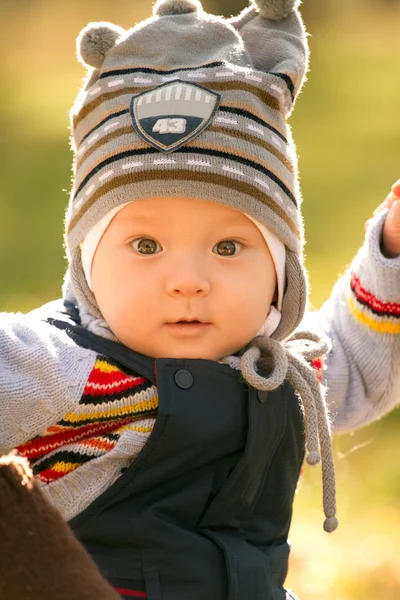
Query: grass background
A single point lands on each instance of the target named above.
(347, 131)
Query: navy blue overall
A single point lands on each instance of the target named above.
(203, 513)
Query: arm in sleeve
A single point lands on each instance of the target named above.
(42, 376)
(362, 318)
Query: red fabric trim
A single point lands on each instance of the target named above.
(135, 593)
(317, 365)
(377, 306)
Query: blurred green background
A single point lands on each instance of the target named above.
(347, 130)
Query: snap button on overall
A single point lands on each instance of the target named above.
(184, 379)
(262, 395)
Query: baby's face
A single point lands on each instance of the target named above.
(164, 260)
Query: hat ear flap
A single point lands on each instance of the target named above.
(276, 46)
(95, 41)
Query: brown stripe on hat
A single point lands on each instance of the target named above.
(105, 118)
(252, 139)
(221, 86)
(234, 133)
(267, 99)
(258, 118)
(234, 153)
(94, 168)
(226, 85)
(188, 175)
(116, 133)
(159, 69)
(290, 78)
(195, 144)
(86, 109)
(240, 105)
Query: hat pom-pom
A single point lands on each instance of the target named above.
(275, 9)
(94, 42)
(164, 8)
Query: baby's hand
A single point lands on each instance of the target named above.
(391, 229)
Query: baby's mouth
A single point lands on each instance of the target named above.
(189, 322)
(188, 327)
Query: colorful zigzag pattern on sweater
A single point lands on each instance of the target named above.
(113, 400)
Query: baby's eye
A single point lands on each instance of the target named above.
(145, 245)
(227, 247)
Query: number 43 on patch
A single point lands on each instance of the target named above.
(170, 126)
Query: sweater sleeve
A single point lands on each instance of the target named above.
(42, 376)
(362, 318)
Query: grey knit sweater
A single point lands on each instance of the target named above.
(43, 373)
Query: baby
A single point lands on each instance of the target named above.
(166, 403)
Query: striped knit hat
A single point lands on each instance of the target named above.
(192, 105)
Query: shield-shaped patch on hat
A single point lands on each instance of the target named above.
(173, 113)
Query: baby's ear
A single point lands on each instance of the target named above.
(95, 41)
(276, 40)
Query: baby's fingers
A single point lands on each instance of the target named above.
(391, 231)
(396, 188)
(387, 203)
(394, 195)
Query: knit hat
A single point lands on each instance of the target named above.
(193, 105)
(188, 104)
